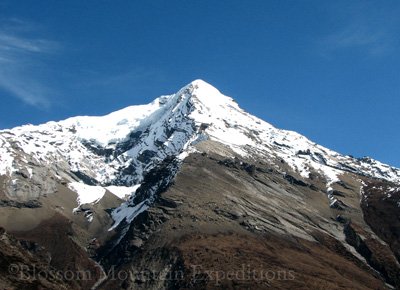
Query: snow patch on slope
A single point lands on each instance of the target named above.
(123, 192)
(6, 157)
(127, 213)
(93, 194)
(87, 193)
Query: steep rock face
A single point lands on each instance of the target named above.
(141, 187)
(381, 206)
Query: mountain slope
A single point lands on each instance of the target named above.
(124, 179)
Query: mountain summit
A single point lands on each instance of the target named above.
(137, 138)
(195, 162)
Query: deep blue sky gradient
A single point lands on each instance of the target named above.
(329, 70)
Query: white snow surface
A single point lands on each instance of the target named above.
(117, 149)
(127, 213)
(87, 193)
(123, 192)
(115, 126)
(93, 193)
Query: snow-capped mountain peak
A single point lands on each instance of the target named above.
(116, 126)
(159, 180)
(116, 151)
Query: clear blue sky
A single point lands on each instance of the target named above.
(327, 69)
